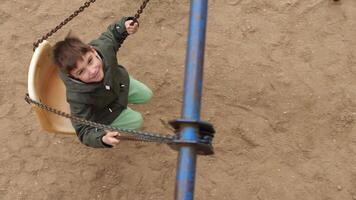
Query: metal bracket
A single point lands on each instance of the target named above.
(206, 133)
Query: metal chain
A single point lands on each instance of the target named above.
(136, 17)
(64, 22)
(130, 134)
(140, 10)
(76, 13)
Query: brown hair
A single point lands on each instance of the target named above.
(66, 53)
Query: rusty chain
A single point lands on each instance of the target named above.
(64, 22)
(140, 10)
(76, 13)
(130, 134)
(135, 18)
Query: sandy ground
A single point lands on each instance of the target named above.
(279, 87)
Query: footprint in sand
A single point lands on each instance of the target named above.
(5, 109)
(232, 2)
(3, 17)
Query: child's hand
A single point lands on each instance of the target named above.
(110, 138)
(131, 29)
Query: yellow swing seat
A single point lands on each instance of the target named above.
(45, 86)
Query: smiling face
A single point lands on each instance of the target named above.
(89, 69)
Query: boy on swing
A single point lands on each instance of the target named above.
(97, 87)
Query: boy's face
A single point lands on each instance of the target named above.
(89, 69)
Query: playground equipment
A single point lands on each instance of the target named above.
(193, 136)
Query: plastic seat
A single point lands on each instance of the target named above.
(45, 86)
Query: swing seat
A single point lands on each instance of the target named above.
(45, 86)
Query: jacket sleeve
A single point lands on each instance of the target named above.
(88, 135)
(113, 35)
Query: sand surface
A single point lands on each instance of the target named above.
(279, 87)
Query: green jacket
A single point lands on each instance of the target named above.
(100, 102)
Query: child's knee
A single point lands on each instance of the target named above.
(145, 95)
(148, 95)
(138, 122)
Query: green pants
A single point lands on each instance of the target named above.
(139, 93)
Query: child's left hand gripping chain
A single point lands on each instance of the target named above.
(131, 29)
(110, 138)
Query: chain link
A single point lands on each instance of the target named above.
(136, 17)
(64, 22)
(76, 13)
(140, 10)
(130, 134)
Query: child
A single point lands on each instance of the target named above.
(97, 87)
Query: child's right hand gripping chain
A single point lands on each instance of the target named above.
(110, 138)
(131, 29)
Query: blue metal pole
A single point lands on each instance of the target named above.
(185, 178)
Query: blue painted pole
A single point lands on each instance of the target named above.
(193, 81)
